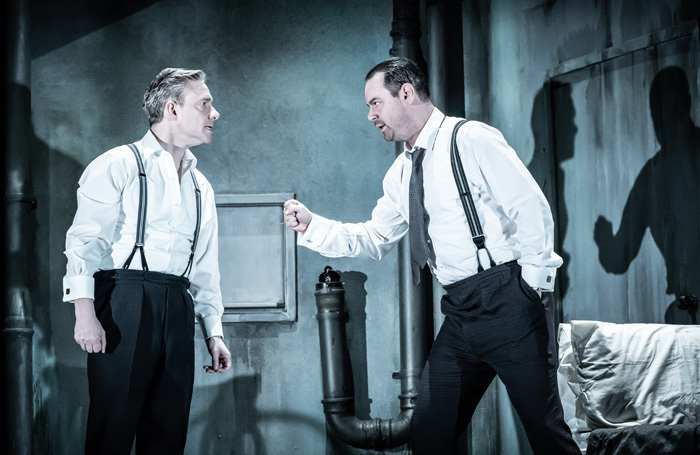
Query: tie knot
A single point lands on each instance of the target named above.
(417, 156)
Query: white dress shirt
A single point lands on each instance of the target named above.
(104, 228)
(515, 216)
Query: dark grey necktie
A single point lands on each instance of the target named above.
(416, 216)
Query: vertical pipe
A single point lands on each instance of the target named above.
(338, 389)
(17, 328)
(446, 70)
(406, 33)
(414, 331)
(459, 84)
(445, 56)
(476, 60)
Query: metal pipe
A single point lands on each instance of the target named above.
(405, 31)
(18, 326)
(446, 82)
(414, 333)
(338, 388)
(446, 56)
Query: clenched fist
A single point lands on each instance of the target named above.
(296, 216)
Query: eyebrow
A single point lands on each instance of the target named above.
(370, 101)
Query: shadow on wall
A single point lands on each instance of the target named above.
(356, 306)
(60, 387)
(233, 426)
(542, 161)
(664, 199)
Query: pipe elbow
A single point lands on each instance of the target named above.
(371, 434)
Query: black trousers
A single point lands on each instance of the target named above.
(142, 386)
(495, 325)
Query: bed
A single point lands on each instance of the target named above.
(631, 388)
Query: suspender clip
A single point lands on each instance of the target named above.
(479, 241)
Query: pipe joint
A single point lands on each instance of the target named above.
(21, 198)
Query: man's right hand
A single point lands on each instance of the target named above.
(88, 333)
(296, 216)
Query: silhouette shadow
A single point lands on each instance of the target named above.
(552, 183)
(664, 199)
(356, 330)
(234, 429)
(60, 382)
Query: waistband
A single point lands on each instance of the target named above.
(117, 275)
(477, 277)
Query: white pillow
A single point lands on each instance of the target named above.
(630, 374)
(569, 389)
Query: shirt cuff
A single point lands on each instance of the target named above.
(78, 287)
(315, 233)
(539, 277)
(211, 326)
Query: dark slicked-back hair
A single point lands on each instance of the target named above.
(398, 71)
(169, 84)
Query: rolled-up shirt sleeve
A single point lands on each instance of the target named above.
(99, 195)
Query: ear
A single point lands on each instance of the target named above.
(407, 92)
(170, 111)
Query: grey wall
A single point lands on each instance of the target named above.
(287, 77)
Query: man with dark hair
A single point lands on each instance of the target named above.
(135, 313)
(494, 260)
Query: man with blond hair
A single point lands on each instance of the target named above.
(142, 264)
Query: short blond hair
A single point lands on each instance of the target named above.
(169, 84)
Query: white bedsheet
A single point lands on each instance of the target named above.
(616, 375)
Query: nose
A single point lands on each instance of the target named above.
(214, 114)
(372, 116)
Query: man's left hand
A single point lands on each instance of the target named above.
(220, 356)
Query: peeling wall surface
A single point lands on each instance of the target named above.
(288, 80)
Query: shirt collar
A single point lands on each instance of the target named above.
(426, 138)
(150, 145)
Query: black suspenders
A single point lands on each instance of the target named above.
(198, 196)
(141, 223)
(467, 201)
